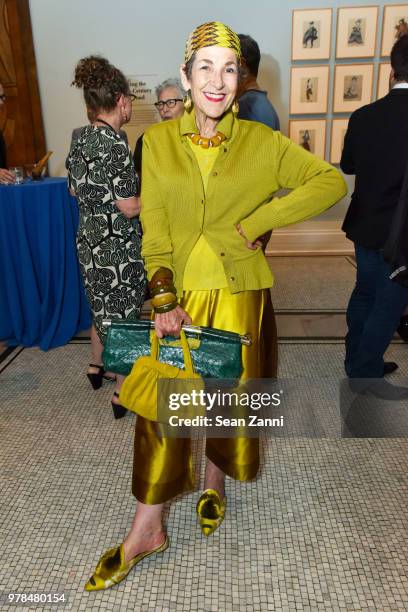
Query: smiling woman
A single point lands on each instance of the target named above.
(208, 180)
(211, 76)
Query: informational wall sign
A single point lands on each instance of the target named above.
(143, 110)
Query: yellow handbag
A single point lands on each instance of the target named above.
(139, 392)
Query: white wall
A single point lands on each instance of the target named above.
(148, 37)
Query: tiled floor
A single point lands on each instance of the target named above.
(311, 325)
(312, 284)
(323, 527)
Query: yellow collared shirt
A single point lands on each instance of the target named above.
(203, 268)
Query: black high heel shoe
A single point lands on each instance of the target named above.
(119, 411)
(95, 378)
(402, 328)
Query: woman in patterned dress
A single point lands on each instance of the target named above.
(101, 175)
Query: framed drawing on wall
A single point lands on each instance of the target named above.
(356, 31)
(338, 132)
(395, 16)
(309, 134)
(353, 87)
(311, 34)
(309, 88)
(383, 84)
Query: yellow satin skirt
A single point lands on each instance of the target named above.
(163, 467)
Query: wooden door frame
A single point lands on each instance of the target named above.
(31, 145)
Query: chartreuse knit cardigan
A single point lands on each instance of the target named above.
(253, 163)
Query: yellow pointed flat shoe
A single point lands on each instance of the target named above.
(211, 511)
(112, 568)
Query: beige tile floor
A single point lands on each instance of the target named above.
(323, 527)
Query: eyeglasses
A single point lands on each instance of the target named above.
(132, 97)
(171, 103)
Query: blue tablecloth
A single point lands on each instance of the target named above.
(42, 299)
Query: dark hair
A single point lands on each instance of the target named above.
(250, 53)
(399, 59)
(102, 83)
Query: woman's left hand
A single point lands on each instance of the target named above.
(250, 245)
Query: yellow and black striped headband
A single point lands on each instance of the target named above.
(212, 34)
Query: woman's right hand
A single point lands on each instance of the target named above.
(169, 323)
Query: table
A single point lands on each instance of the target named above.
(42, 299)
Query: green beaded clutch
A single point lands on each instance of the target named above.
(216, 353)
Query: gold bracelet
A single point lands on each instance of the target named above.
(163, 299)
(162, 289)
(166, 307)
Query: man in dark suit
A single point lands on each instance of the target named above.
(376, 151)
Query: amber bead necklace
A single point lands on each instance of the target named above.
(207, 143)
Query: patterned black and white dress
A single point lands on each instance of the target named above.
(100, 171)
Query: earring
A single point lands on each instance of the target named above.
(235, 107)
(187, 102)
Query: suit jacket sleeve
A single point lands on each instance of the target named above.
(346, 162)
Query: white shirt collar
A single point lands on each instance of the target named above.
(401, 86)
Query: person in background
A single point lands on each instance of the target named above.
(202, 213)
(402, 329)
(170, 96)
(102, 177)
(377, 303)
(76, 132)
(253, 101)
(255, 106)
(401, 28)
(6, 176)
(169, 104)
(95, 344)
